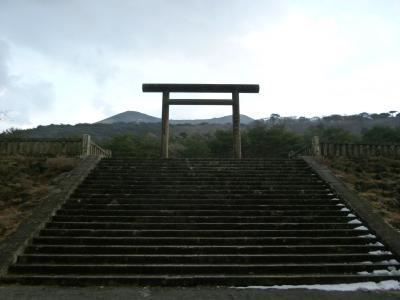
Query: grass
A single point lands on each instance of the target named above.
(375, 179)
(23, 182)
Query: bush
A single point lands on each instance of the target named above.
(131, 145)
(262, 141)
(381, 135)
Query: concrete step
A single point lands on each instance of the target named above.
(204, 161)
(189, 191)
(364, 258)
(194, 196)
(178, 241)
(284, 176)
(196, 207)
(206, 213)
(203, 249)
(254, 200)
(200, 167)
(204, 219)
(200, 226)
(193, 185)
(301, 181)
(194, 279)
(182, 269)
(203, 233)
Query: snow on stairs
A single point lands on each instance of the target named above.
(203, 222)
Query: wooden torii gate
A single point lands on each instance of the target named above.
(234, 89)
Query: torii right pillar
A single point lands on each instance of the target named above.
(237, 145)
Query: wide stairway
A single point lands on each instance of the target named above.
(203, 222)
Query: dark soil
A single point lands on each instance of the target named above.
(375, 179)
(23, 182)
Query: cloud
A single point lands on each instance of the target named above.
(316, 66)
(80, 61)
(20, 100)
(4, 55)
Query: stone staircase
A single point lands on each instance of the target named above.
(203, 222)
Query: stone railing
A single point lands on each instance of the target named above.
(52, 147)
(91, 148)
(354, 150)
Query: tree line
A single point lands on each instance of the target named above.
(260, 139)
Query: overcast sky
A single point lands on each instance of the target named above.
(72, 61)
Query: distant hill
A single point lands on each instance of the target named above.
(138, 117)
(130, 117)
(148, 125)
(100, 131)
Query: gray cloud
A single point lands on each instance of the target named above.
(95, 29)
(94, 54)
(20, 100)
(4, 55)
(97, 37)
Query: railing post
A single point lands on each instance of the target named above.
(86, 140)
(237, 148)
(165, 125)
(316, 148)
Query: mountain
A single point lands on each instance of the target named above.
(147, 125)
(138, 117)
(130, 117)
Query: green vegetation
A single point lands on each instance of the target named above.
(332, 134)
(131, 145)
(274, 136)
(382, 135)
(261, 140)
(258, 140)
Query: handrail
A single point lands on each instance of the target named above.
(52, 146)
(91, 148)
(40, 146)
(23, 139)
(353, 149)
(305, 150)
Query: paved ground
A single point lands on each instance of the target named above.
(16, 292)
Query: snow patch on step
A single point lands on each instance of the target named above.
(345, 209)
(390, 261)
(375, 244)
(355, 221)
(361, 228)
(366, 235)
(380, 252)
(351, 216)
(392, 271)
(344, 287)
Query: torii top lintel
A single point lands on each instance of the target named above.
(200, 88)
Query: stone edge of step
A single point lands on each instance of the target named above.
(66, 183)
